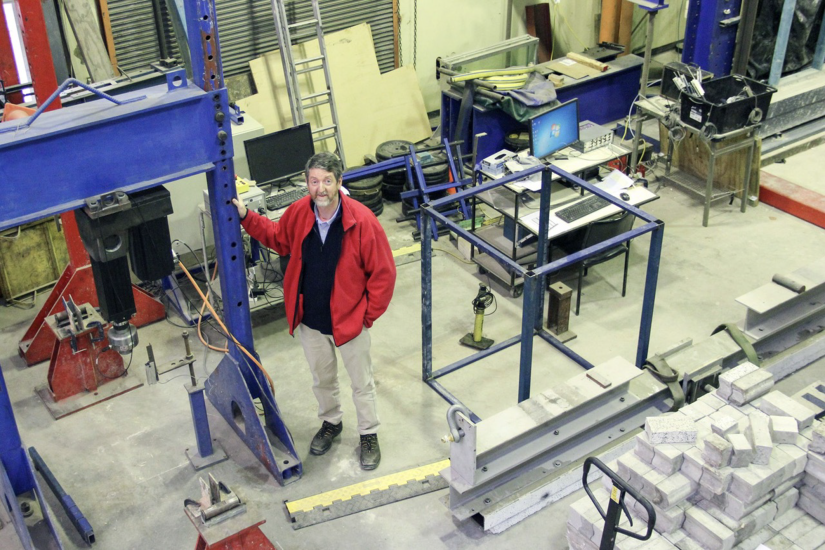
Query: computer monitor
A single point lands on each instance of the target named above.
(555, 129)
(275, 157)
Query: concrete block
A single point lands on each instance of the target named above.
(707, 531)
(632, 470)
(786, 519)
(667, 520)
(722, 424)
(812, 505)
(741, 451)
(716, 480)
(752, 523)
(759, 436)
(670, 429)
(673, 490)
(751, 386)
(693, 464)
(784, 429)
(577, 541)
(799, 532)
(607, 483)
(779, 404)
(754, 541)
(687, 543)
(717, 451)
(712, 401)
(582, 516)
(738, 509)
(727, 379)
(779, 542)
(815, 486)
(786, 501)
(731, 411)
(818, 439)
(799, 457)
(749, 484)
(643, 449)
(816, 466)
(697, 410)
(667, 458)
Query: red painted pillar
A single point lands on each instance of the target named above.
(29, 15)
(8, 69)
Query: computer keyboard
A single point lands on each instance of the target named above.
(277, 201)
(582, 208)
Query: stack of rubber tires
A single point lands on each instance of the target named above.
(367, 191)
(395, 181)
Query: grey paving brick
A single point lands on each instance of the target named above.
(697, 410)
(799, 528)
(673, 490)
(760, 537)
(812, 539)
(784, 429)
(717, 451)
(786, 501)
(742, 452)
(779, 542)
(751, 386)
(716, 480)
(816, 466)
(693, 464)
(815, 486)
(643, 449)
(632, 470)
(707, 531)
(749, 484)
(668, 457)
(670, 429)
(786, 519)
(759, 436)
(727, 379)
(667, 520)
(818, 439)
(777, 403)
(722, 424)
(811, 504)
(800, 458)
(577, 541)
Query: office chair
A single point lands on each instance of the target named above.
(599, 231)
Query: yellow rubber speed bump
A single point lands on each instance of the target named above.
(367, 494)
(412, 249)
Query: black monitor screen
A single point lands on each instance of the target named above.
(554, 129)
(275, 157)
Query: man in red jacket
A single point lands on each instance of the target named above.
(339, 280)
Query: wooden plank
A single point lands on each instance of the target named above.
(84, 22)
(372, 108)
(32, 256)
(103, 6)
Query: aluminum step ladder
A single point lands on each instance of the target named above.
(293, 68)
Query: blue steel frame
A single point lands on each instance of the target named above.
(708, 42)
(52, 165)
(533, 297)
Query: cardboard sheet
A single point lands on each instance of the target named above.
(570, 68)
(372, 108)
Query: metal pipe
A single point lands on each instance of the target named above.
(782, 37)
(451, 399)
(469, 360)
(426, 296)
(556, 343)
(819, 53)
(527, 331)
(651, 17)
(651, 281)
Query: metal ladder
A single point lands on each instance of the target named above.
(299, 103)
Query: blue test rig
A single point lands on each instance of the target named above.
(132, 144)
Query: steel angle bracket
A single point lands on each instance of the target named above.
(483, 485)
(231, 389)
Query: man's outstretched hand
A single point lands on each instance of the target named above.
(242, 210)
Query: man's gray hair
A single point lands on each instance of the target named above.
(326, 161)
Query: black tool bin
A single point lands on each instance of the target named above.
(714, 108)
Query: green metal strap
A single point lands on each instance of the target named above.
(741, 341)
(666, 375)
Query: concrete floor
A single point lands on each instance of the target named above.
(123, 461)
(803, 171)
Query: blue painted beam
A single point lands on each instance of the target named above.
(74, 153)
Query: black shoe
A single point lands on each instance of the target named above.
(370, 452)
(323, 439)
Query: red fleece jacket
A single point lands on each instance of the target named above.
(364, 276)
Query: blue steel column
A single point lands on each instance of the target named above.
(651, 280)
(531, 288)
(782, 36)
(200, 420)
(426, 295)
(542, 252)
(819, 54)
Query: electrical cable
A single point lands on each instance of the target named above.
(226, 330)
(200, 315)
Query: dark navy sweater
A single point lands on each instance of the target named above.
(318, 275)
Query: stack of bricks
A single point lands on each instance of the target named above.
(739, 468)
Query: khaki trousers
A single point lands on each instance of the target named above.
(319, 350)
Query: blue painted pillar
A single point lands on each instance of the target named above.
(819, 54)
(782, 37)
(426, 296)
(530, 300)
(651, 280)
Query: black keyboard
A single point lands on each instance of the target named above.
(277, 201)
(582, 208)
